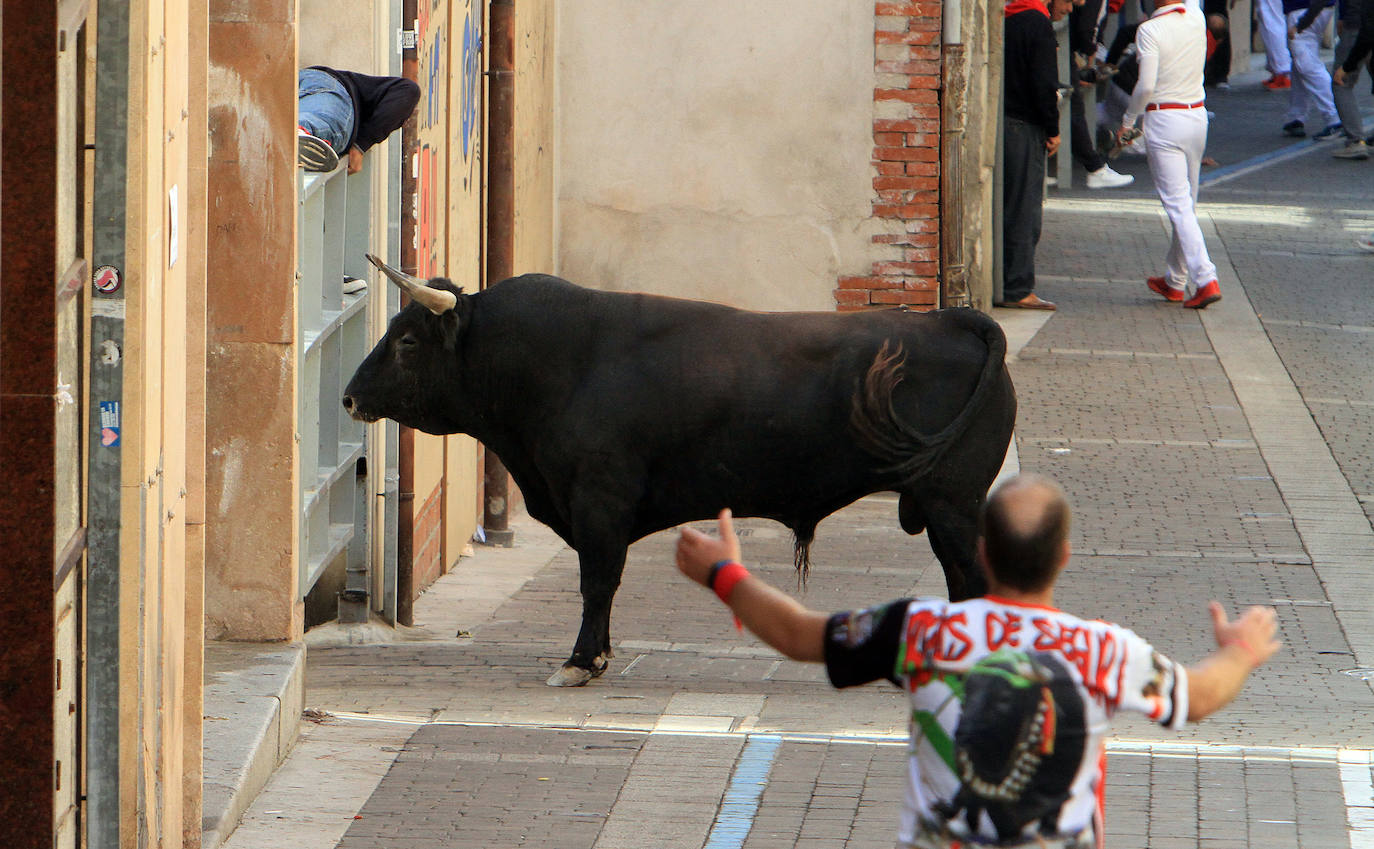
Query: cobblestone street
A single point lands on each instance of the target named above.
(1225, 453)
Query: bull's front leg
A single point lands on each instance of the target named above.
(601, 567)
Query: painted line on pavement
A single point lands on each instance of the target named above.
(1355, 767)
(1264, 160)
(1357, 783)
(1117, 745)
(741, 803)
(1273, 157)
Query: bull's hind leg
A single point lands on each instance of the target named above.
(601, 567)
(952, 528)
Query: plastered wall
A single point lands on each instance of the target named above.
(716, 149)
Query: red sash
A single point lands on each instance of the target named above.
(1017, 6)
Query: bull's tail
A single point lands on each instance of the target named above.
(900, 449)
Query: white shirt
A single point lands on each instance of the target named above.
(929, 646)
(1171, 49)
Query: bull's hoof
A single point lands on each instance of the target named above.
(571, 675)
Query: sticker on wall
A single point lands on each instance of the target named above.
(109, 424)
(172, 226)
(107, 279)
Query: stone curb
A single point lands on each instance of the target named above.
(254, 694)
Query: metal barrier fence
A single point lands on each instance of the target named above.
(333, 218)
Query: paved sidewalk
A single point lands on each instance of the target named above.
(1214, 454)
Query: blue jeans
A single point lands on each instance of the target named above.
(324, 110)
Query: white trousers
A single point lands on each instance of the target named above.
(1311, 81)
(1274, 33)
(1174, 142)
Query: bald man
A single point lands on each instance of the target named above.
(1011, 698)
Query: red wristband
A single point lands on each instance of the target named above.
(1255, 661)
(724, 576)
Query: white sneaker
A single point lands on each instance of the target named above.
(314, 153)
(1366, 242)
(353, 285)
(1106, 178)
(1352, 149)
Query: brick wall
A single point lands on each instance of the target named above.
(906, 161)
(428, 557)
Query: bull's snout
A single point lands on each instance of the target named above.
(350, 405)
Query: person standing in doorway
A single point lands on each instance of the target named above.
(1031, 134)
(1171, 49)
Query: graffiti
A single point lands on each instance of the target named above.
(472, 80)
(449, 122)
(427, 185)
(433, 77)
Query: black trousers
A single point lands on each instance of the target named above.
(1084, 150)
(1023, 196)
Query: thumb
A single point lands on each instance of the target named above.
(1219, 620)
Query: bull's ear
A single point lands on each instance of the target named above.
(436, 301)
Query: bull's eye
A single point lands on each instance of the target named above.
(407, 342)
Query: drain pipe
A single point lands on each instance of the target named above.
(954, 87)
(500, 222)
(104, 464)
(405, 462)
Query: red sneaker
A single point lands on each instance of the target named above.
(1161, 287)
(1209, 294)
(1278, 82)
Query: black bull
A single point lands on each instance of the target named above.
(619, 415)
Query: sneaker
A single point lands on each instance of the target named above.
(1278, 82)
(1051, 182)
(314, 153)
(1209, 294)
(1222, 86)
(1353, 149)
(1106, 178)
(1294, 129)
(353, 285)
(1327, 132)
(1160, 286)
(1366, 242)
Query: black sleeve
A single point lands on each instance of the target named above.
(1125, 37)
(1314, 8)
(1083, 25)
(385, 106)
(1045, 73)
(1364, 42)
(865, 645)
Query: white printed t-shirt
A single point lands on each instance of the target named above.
(928, 647)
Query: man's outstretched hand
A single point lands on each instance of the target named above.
(1256, 630)
(697, 552)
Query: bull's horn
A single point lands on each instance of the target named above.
(436, 301)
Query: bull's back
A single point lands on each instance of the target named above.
(692, 406)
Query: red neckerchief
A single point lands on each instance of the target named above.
(1017, 6)
(1169, 10)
